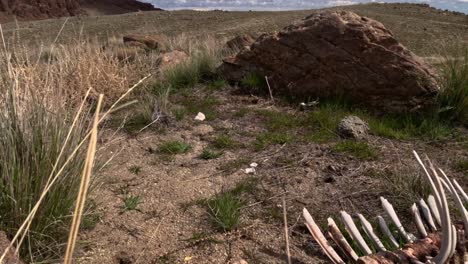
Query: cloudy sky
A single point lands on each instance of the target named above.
(456, 5)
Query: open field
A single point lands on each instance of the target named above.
(176, 191)
(422, 29)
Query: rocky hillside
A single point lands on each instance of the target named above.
(43, 9)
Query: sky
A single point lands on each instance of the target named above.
(455, 5)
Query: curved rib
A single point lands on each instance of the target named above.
(427, 215)
(418, 221)
(393, 216)
(320, 238)
(447, 240)
(370, 233)
(429, 178)
(458, 201)
(354, 232)
(433, 206)
(340, 240)
(459, 188)
(384, 228)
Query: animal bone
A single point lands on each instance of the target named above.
(449, 242)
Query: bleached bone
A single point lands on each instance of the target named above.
(454, 241)
(354, 232)
(341, 241)
(427, 215)
(429, 178)
(462, 192)
(396, 221)
(432, 215)
(418, 221)
(367, 227)
(458, 201)
(320, 238)
(384, 227)
(446, 245)
(433, 206)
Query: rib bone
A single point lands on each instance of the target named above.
(354, 232)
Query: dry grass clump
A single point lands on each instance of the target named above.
(72, 70)
(44, 119)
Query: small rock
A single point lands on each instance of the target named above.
(353, 127)
(250, 170)
(200, 116)
(253, 164)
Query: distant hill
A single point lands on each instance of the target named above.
(43, 9)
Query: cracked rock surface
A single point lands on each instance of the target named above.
(340, 53)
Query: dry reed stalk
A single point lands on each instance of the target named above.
(84, 185)
(286, 233)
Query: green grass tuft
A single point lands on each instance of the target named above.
(135, 169)
(130, 202)
(174, 147)
(462, 166)
(224, 142)
(270, 138)
(225, 211)
(255, 82)
(208, 154)
(360, 150)
(216, 84)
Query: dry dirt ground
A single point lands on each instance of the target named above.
(172, 224)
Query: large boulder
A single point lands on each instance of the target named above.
(338, 54)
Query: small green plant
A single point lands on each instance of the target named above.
(130, 202)
(407, 126)
(269, 138)
(174, 147)
(135, 169)
(208, 154)
(462, 166)
(216, 84)
(254, 81)
(223, 142)
(360, 150)
(193, 71)
(323, 121)
(225, 211)
(179, 113)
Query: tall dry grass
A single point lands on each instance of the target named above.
(43, 122)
